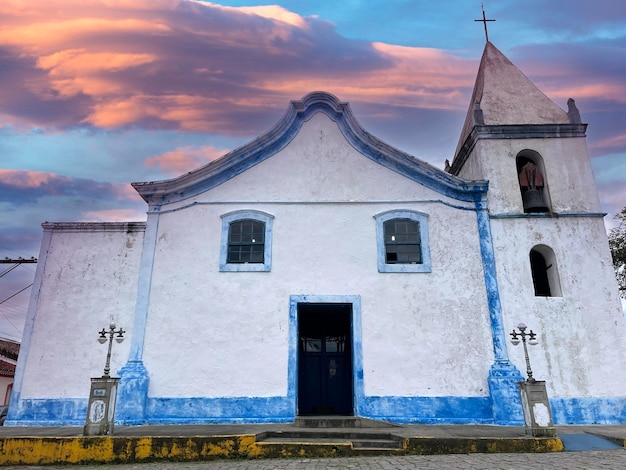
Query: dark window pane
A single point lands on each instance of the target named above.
(246, 241)
(256, 254)
(311, 344)
(335, 344)
(402, 242)
(413, 237)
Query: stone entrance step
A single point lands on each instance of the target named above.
(332, 440)
(378, 444)
(340, 422)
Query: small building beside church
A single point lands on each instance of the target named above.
(318, 270)
(9, 351)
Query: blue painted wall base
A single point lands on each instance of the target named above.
(428, 410)
(506, 404)
(220, 410)
(407, 410)
(607, 410)
(132, 394)
(134, 407)
(47, 412)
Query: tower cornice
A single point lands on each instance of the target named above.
(513, 131)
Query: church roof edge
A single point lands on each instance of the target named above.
(268, 144)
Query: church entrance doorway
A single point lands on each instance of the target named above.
(325, 359)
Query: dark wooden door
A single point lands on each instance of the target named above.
(324, 359)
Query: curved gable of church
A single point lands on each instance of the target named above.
(298, 113)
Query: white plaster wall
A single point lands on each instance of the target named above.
(231, 329)
(568, 173)
(90, 278)
(318, 165)
(422, 333)
(582, 334)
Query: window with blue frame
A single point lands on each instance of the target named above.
(402, 242)
(402, 239)
(246, 241)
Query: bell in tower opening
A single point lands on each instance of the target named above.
(531, 183)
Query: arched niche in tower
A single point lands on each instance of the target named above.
(545, 272)
(533, 186)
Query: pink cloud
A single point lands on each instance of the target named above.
(76, 71)
(187, 112)
(28, 179)
(114, 215)
(203, 67)
(274, 12)
(597, 91)
(19, 186)
(42, 34)
(610, 143)
(179, 64)
(184, 159)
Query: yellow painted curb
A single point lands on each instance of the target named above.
(124, 449)
(114, 449)
(437, 445)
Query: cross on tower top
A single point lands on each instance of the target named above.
(484, 22)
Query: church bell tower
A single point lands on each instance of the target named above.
(552, 260)
(533, 153)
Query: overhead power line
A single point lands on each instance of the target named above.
(19, 260)
(8, 270)
(18, 292)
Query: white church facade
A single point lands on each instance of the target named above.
(318, 270)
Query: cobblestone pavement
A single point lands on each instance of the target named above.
(589, 460)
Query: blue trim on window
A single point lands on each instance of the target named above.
(422, 220)
(268, 219)
(357, 347)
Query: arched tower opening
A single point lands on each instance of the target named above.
(532, 182)
(545, 272)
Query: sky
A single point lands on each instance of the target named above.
(97, 94)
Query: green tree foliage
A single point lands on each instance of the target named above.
(617, 243)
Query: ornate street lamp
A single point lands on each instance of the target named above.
(102, 338)
(532, 340)
(533, 393)
(103, 394)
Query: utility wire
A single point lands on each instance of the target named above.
(6, 317)
(18, 292)
(8, 270)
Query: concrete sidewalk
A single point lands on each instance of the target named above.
(134, 444)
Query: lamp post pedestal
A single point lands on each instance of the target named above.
(101, 406)
(533, 393)
(536, 407)
(103, 393)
